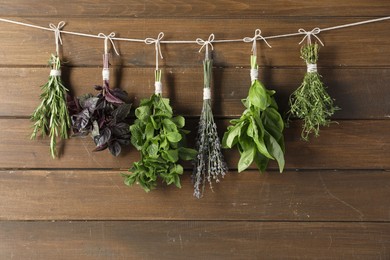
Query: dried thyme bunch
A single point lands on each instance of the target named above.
(209, 163)
(51, 117)
(310, 102)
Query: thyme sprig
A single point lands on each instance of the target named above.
(51, 117)
(311, 102)
(209, 163)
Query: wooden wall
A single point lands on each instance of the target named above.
(332, 201)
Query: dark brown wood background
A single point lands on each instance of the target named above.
(332, 201)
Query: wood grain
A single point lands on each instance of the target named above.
(362, 144)
(28, 46)
(291, 196)
(193, 8)
(361, 93)
(190, 240)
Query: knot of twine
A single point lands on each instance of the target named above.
(157, 46)
(254, 39)
(57, 34)
(55, 73)
(106, 39)
(157, 87)
(207, 43)
(254, 74)
(308, 35)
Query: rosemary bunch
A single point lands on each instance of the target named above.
(311, 102)
(209, 163)
(51, 117)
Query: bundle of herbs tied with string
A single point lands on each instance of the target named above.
(311, 102)
(258, 133)
(51, 117)
(159, 137)
(209, 164)
(104, 116)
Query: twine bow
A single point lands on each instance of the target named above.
(157, 46)
(207, 43)
(57, 34)
(308, 35)
(254, 39)
(106, 39)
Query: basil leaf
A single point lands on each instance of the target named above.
(246, 158)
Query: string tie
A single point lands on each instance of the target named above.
(207, 43)
(308, 35)
(157, 46)
(106, 39)
(206, 93)
(57, 34)
(254, 39)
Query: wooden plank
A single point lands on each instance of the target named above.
(192, 8)
(291, 196)
(190, 240)
(361, 144)
(361, 93)
(28, 46)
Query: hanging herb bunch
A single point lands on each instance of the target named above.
(311, 102)
(258, 133)
(209, 162)
(104, 116)
(160, 138)
(51, 117)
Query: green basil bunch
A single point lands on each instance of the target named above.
(160, 139)
(258, 133)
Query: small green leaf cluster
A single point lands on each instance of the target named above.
(311, 102)
(160, 139)
(258, 133)
(51, 117)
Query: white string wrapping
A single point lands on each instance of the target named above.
(107, 38)
(206, 44)
(106, 74)
(157, 46)
(157, 87)
(206, 93)
(55, 73)
(311, 67)
(254, 74)
(254, 39)
(308, 35)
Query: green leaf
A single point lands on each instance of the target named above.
(169, 126)
(257, 95)
(275, 150)
(179, 121)
(231, 136)
(152, 150)
(142, 113)
(187, 154)
(171, 155)
(174, 137)
(246, 158)
(149, 131)
(261, 162)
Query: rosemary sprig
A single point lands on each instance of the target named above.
(209, 163)
(51, 117)
(311, 102)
